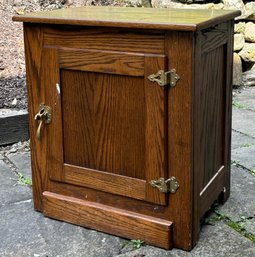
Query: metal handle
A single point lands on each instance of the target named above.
(38, 132)
(44, 117)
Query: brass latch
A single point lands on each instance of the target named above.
(43, 116)
(170, 185)
(164, 78)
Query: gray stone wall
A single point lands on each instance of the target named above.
(244, 56)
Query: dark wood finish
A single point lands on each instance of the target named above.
(111, 220)
(212, 118)
(138, 18)
(14, 127)
(179, 49)
(113, 130)
(228, 109)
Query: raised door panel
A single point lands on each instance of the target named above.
(108, 129)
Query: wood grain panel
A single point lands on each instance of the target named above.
(180, 52)
(211, 121)
(104, 62)
(114, 200)
(104, 127)
(105, 39)
(156, 128)
(53, 131)
(163, 18)
(212, 192)
(112, 183)
(197, 80)
(214, 37)
(33, 37)
(109, 219)
(212, 112)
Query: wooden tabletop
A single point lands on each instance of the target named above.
(130, 17)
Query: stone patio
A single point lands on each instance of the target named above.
(25, 232)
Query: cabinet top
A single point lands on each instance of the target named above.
(130, 17)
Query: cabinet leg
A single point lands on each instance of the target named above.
(224, 195)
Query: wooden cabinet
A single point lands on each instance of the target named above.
(126, 103)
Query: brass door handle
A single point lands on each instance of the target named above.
(43, 117)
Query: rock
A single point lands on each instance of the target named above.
(238, 42)
(69, 2)
(249, 78)
(240, 27)
(237, 70)
(250, 7)
(249, 33)
(146, 3)
(17, 2)
(253, 67)
(248, 52)
(52, 4)
(235, 5)
(238, 5)
(175, 4)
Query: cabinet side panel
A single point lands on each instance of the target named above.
(212, 117)
(209, 118)
(33, 37)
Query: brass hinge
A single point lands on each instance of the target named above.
(170, 185)
(164, 78)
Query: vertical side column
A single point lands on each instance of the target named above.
(33, 38)
(155, 135)
(179, 49)
(228, 113)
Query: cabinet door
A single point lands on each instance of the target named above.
(109, 122)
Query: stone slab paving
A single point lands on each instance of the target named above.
(245, 156)
(246, 98)
(10, 192)
(242, 198)
(22, 161)
(218, 240)
(244, 121)
(241, 140)
(25, 232)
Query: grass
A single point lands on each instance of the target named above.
(22, 180)
(136, 244)
(238, 105)
(238, 226)
(246, 145)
